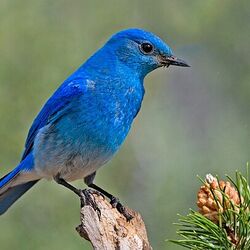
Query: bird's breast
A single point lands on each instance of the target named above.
(105, 111)
(111, 115)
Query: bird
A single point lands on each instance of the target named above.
(84, 123)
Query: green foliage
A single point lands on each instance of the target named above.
(200, 233)
(232, 230)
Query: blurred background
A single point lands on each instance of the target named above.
(193, 121)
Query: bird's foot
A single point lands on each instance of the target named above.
(115, 203)
(87, 199)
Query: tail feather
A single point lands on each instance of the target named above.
(10, 176)
(12, 194)
(16, 183)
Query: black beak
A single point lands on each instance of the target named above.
(172, 60)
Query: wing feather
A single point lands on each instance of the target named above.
(65, 94)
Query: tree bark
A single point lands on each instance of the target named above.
(109, 230)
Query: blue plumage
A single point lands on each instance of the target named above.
(86, 120)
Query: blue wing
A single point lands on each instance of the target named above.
(66, 93)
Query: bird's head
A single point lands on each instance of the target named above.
(142, 51)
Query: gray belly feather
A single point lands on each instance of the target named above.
(72, 160)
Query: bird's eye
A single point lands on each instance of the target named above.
(147, 48)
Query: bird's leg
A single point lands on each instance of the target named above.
(114, 201)
(61, 181)
(85, 195)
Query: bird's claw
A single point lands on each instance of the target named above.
(115, 203)
(87, 199)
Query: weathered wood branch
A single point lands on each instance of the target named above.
(109, 230)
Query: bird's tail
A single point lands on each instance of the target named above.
(16, 183)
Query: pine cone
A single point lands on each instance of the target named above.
(207, 203)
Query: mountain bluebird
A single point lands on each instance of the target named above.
(84, 123)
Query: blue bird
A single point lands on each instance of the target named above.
(84, 123)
